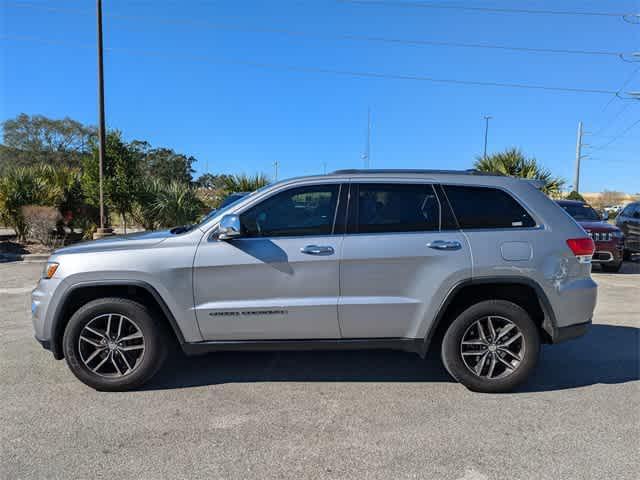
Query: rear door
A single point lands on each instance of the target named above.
(402, 253)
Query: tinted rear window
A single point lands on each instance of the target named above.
(484, 207)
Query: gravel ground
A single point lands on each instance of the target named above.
(374, 415)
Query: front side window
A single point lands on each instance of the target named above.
(485, 207)
(392, 207)
(297, 211)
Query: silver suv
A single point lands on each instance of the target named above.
(486, 266)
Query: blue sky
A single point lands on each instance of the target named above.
(176, 75)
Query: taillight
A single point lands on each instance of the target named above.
(582, 247)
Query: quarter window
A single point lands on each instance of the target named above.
(484, 207)
(392, 207)
(298, 211)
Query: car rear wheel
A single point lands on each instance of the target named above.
(491, 347)
(114, 344)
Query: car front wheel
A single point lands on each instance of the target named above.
(114, 344)
(491, 347)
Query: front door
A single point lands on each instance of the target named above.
(280, 279)
(400, 257)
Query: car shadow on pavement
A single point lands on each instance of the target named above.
(607, 354)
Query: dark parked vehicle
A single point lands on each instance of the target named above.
(607, 237)
(629, 222)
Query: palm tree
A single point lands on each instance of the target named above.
(245, 183)
(175, 204)
(24, 186)
(512, 162)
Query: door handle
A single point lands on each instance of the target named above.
(445, 245)
(317, 250)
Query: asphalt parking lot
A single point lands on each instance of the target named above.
(374, 415)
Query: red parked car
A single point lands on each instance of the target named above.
(608, 238)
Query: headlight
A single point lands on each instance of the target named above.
(617, 234)
(50, 269)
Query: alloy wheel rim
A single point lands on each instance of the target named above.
(111, 345)
(492, 347)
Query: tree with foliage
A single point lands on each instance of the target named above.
(164, 163)
(121, 175)
(575, 196)
(33, 139)
(211, 181)
(512, 162)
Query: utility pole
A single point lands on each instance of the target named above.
(576, 178)
(102, 231)
(366, 156)
(486, 134)
(275, 167)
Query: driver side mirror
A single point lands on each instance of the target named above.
(229, 227)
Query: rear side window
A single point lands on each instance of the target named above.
(390, 207)
(484, 207)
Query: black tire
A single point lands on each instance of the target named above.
(611, 267)
(452, 343)
(154, 336)
(626, 255)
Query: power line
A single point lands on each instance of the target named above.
(321, 70)
(617, 137)
(612, 120)
(619, 91)
(443, 6)
(341, 37)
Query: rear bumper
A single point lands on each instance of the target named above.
(562, 334)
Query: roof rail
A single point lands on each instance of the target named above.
(471, 171)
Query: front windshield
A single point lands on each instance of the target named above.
(581, 212)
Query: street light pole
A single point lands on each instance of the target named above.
(101, 122)
(486, 134)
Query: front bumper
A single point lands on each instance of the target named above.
(41, 300)
(608, 252)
